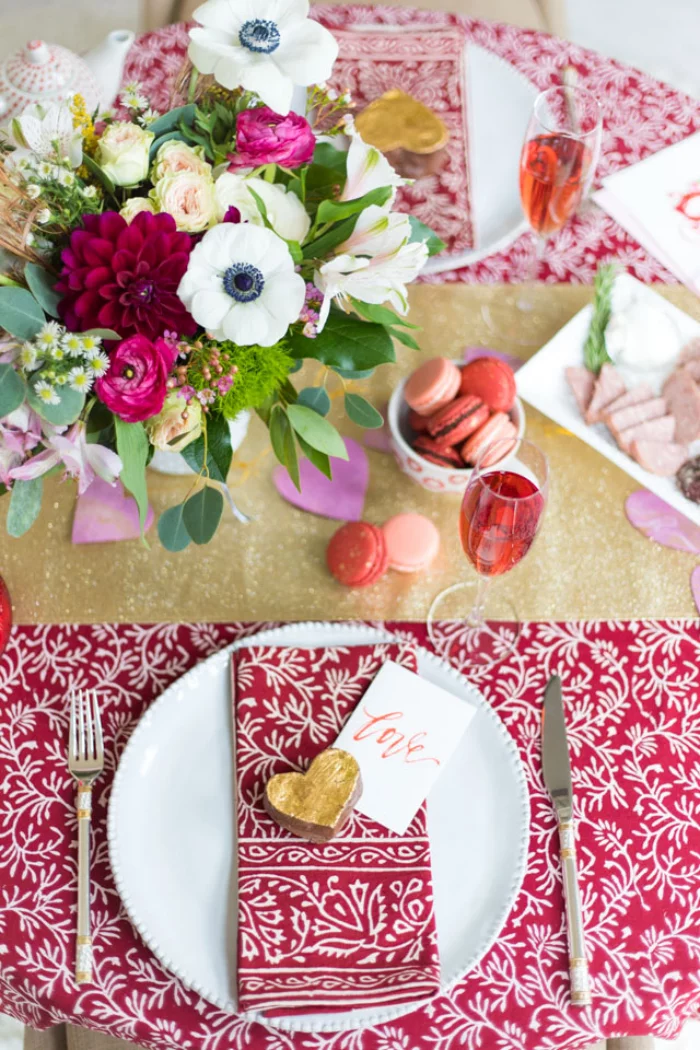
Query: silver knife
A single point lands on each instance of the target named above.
(557, 779)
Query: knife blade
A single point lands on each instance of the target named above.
(556, 768)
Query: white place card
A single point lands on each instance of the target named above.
(402, 733)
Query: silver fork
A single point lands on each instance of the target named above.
(85, 761)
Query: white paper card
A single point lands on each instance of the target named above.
(402, 733)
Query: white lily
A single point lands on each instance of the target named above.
(264, 46)
(377, 280)
(377, 232)
(367, 167)
(45, 132)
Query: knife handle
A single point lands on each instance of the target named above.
(578, 962)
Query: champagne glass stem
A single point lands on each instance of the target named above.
(524, 301)
(476, 616)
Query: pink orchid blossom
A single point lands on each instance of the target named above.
(81, 459)
(20, 432)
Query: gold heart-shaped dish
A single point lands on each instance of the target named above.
(315, 805)
(396, 120)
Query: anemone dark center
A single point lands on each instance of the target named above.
(260, 34)
(243, 282)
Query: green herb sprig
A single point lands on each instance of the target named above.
(595, 352)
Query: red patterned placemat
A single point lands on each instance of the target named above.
(633, 705)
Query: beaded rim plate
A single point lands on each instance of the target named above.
(171, 829)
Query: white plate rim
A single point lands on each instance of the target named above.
(269, 636)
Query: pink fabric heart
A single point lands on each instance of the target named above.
(472, 352)
(660, 522)
(695, 585)
(342, 498)
(105, 514)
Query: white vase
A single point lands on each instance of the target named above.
(174, 463)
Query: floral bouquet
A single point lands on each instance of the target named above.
(164, 273)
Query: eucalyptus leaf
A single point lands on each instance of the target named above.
(360, 411)
(102, 333)
(219, 451)
(20, 313)
(202, 514)
(346, 342)
(171, 121)
(67, 410)
(25, 504)
(405, 338)
(99, 173)
(167, 136)
(335, 211)
(315, 397)
(282, 440)
(317, 431)
(41, 285)
(132, 449)
(171, 529)
(423, 233)
(12, 390)
(319, 459)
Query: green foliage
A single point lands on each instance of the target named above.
(167, 136)
(25, 504)
(12, 390)
(261, 370)
(102, 333)
(423, 233)
(172, 120)
(380, 314)
(65, 412)
(360, 411)
(213, 127)
(346, 342)
(319, 247)
(218, 449)
(20, 313)
(328, 156)
(171, 529)
(335, 211)
(317, 431)
(41, 285)
(102, 177)
(319, 459)
(132, 449)
(282, 441)
(315, 397)
(202, 513)
(595, 353)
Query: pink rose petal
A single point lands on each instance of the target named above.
(342, 498)
(695, 585)
(472, 352)
(104, 514)
(660, 522)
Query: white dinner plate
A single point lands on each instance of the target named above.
(171, 829)
(500, 101)
(542, 383)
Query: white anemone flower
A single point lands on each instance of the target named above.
(264, 46)
(377, 280)
(367, 167)
(43, 131)
(285, 212)
(241, 285)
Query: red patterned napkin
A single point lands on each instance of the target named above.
(430, 65)
(338, 926)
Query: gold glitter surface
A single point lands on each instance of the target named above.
(587, 563)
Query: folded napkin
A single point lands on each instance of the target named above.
(658, 201)
(428, 64)
(334, 926)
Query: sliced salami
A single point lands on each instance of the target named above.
(581, 383)
(635, 414)
(683, 396)
(660, 429)
(659, 457)
(609, 386)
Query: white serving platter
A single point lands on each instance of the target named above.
(172, 841)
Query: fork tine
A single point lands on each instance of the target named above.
(99, 746)
(73, 729)
(89, 724)
(81, 725)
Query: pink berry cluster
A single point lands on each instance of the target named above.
(208, 362)
(310, 310)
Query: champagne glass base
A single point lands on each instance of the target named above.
(474, 647)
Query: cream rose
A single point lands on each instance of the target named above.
(285, 212)
(135, 205)
(177, 425)
(174, 156)
(188, 197)
(122, 153)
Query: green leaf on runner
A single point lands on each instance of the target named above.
(360, 411)
(25, 504)
(202, 514)
(317, 431)
(319, 459)
(12, 390)
(380, 314)
(20, 313)
(346, 342)
(421, 232)
(171, 529)
(132, 449)
(219, 451)
(405, 338)
(41, 285)
(65, 412)
(282, 439)
(335, 211)
(315, 397)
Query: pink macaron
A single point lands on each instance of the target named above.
(412, 542)
(432, 386)
(499, 428)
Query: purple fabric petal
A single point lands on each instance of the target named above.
(342, 498)
(660, 522)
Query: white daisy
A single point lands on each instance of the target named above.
(80, 379)
(28, 356)
(241, 285)
(43, 216)
(49, 336)
(33, 191)
(264, 46)
(90, 343)
(61, 380)
(66, 178)
(73, 344)
(46, 170)
(57, 354)
(46, 393)
(97, 362)
(89, 192)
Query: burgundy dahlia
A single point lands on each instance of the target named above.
(125, 276)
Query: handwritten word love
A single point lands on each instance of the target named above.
(398, 745)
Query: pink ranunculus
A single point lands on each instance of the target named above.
(135, 386)
(264, 137)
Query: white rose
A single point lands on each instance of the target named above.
(189, 198)
(285, 212)
(135, 205)
(122, 153)
(176, 156)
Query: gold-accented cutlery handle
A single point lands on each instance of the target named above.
(578, 961)
(83, 941)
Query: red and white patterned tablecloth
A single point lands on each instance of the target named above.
(640, 115)
(633, 706)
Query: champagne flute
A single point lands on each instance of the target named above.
(499, 519)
